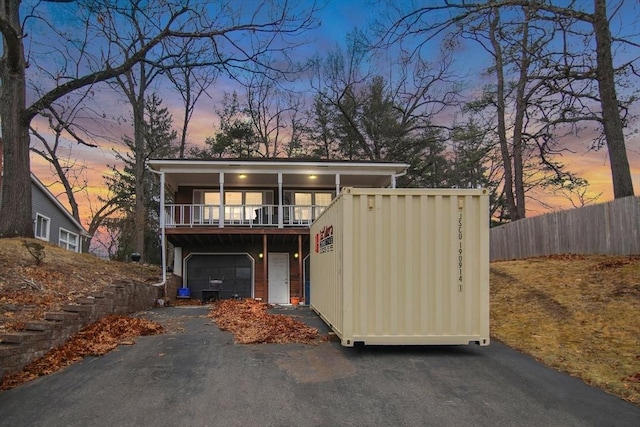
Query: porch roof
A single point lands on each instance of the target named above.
(264, 172)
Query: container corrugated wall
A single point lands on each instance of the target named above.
(403, 266)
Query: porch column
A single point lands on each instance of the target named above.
(393, 181)
(300, 262)
(337, 184)
(280, 210)
(265, 272)
(221, 213)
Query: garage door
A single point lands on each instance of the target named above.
(230, 274)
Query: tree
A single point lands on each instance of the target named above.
(237, 137)
(159, 140)
(423, 24)
(89, 56)
(274, 114)
(67, 171)
(191, 83)
(383, 117)
(320, 134)
(477, 163)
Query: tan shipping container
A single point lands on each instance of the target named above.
(403, 266)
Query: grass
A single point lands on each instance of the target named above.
(576, 314)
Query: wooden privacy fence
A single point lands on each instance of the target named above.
(611, 228)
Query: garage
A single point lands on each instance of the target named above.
(212, 276)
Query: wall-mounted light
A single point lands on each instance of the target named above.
(296, 255)
(260, 255)
(242, 176)
(312, 177)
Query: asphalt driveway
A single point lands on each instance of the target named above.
(197, 376)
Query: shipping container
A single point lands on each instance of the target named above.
(403, 266)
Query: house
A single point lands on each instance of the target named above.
(241, 228)
(52, 222)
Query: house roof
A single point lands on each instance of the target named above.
(59, 205)
(264, 172)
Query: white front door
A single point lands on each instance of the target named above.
(278, 264)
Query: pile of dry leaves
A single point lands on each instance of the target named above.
(250, 323)
(94, 340)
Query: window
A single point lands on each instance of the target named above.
(322, 200)
(208, 210)
(302, 202)
(253, 201)
(308, 205)
(68, 240)
(233, 205)
(42, 227)
(238, 205)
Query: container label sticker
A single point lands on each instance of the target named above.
(324, 239)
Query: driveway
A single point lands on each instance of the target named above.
(196, 376)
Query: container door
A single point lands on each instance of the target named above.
(278, 265)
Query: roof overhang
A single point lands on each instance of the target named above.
(264, 173)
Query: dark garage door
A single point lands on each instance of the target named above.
(231, 275)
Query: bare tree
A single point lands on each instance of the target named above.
(235, 40)
(191, 83)
(385, 118)
(274, 113)
(424, 24)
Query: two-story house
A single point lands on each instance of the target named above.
(240, 228)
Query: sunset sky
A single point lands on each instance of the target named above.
(337, 19)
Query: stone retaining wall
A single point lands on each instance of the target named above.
(17, 349)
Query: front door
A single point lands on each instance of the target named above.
(278, 265)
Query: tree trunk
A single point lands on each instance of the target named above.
(139, 141)
(16, 218)
(518, 124)
(620, 172)
(502, 126)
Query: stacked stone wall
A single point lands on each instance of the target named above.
(17, 349)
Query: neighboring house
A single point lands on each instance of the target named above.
(51, 221)
(240, 228)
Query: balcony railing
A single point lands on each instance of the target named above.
(189, 215)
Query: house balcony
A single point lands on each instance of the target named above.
(244, 216)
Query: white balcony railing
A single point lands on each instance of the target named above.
(198, 215)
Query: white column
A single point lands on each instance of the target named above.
(393, 181)
(337, 184)
(221, 214)
(280, 210)
(163, 244)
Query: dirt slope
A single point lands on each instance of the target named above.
(576, 314)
